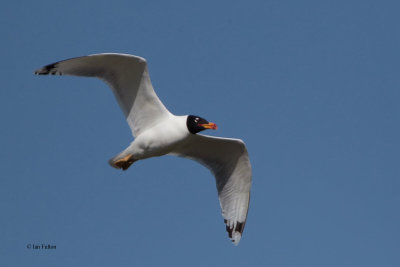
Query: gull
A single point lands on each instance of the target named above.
(158, 132)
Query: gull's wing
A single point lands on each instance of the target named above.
(129, 79)
(228, 160)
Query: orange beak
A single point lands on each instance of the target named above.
(209, 125)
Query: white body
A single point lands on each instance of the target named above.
(161, 139)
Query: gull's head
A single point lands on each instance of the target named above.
(197, 124)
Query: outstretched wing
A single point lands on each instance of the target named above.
(129, 79)
(228, 160)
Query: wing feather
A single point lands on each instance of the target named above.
(129, 79)
(228, 160)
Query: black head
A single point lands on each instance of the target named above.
(197, 124)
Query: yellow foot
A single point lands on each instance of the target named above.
(124, 163)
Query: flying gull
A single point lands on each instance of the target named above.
(158, 132)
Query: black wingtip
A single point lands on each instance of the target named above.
(48, 69)
(235, 232)
(238, 228)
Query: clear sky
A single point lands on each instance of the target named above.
(312, 87)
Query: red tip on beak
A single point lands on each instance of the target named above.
(209, 125)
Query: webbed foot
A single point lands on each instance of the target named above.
(123, 163)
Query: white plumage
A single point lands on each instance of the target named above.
(158, 132)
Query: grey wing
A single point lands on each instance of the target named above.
(228, 160)
(129, 79)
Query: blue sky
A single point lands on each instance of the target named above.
(312, 87)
